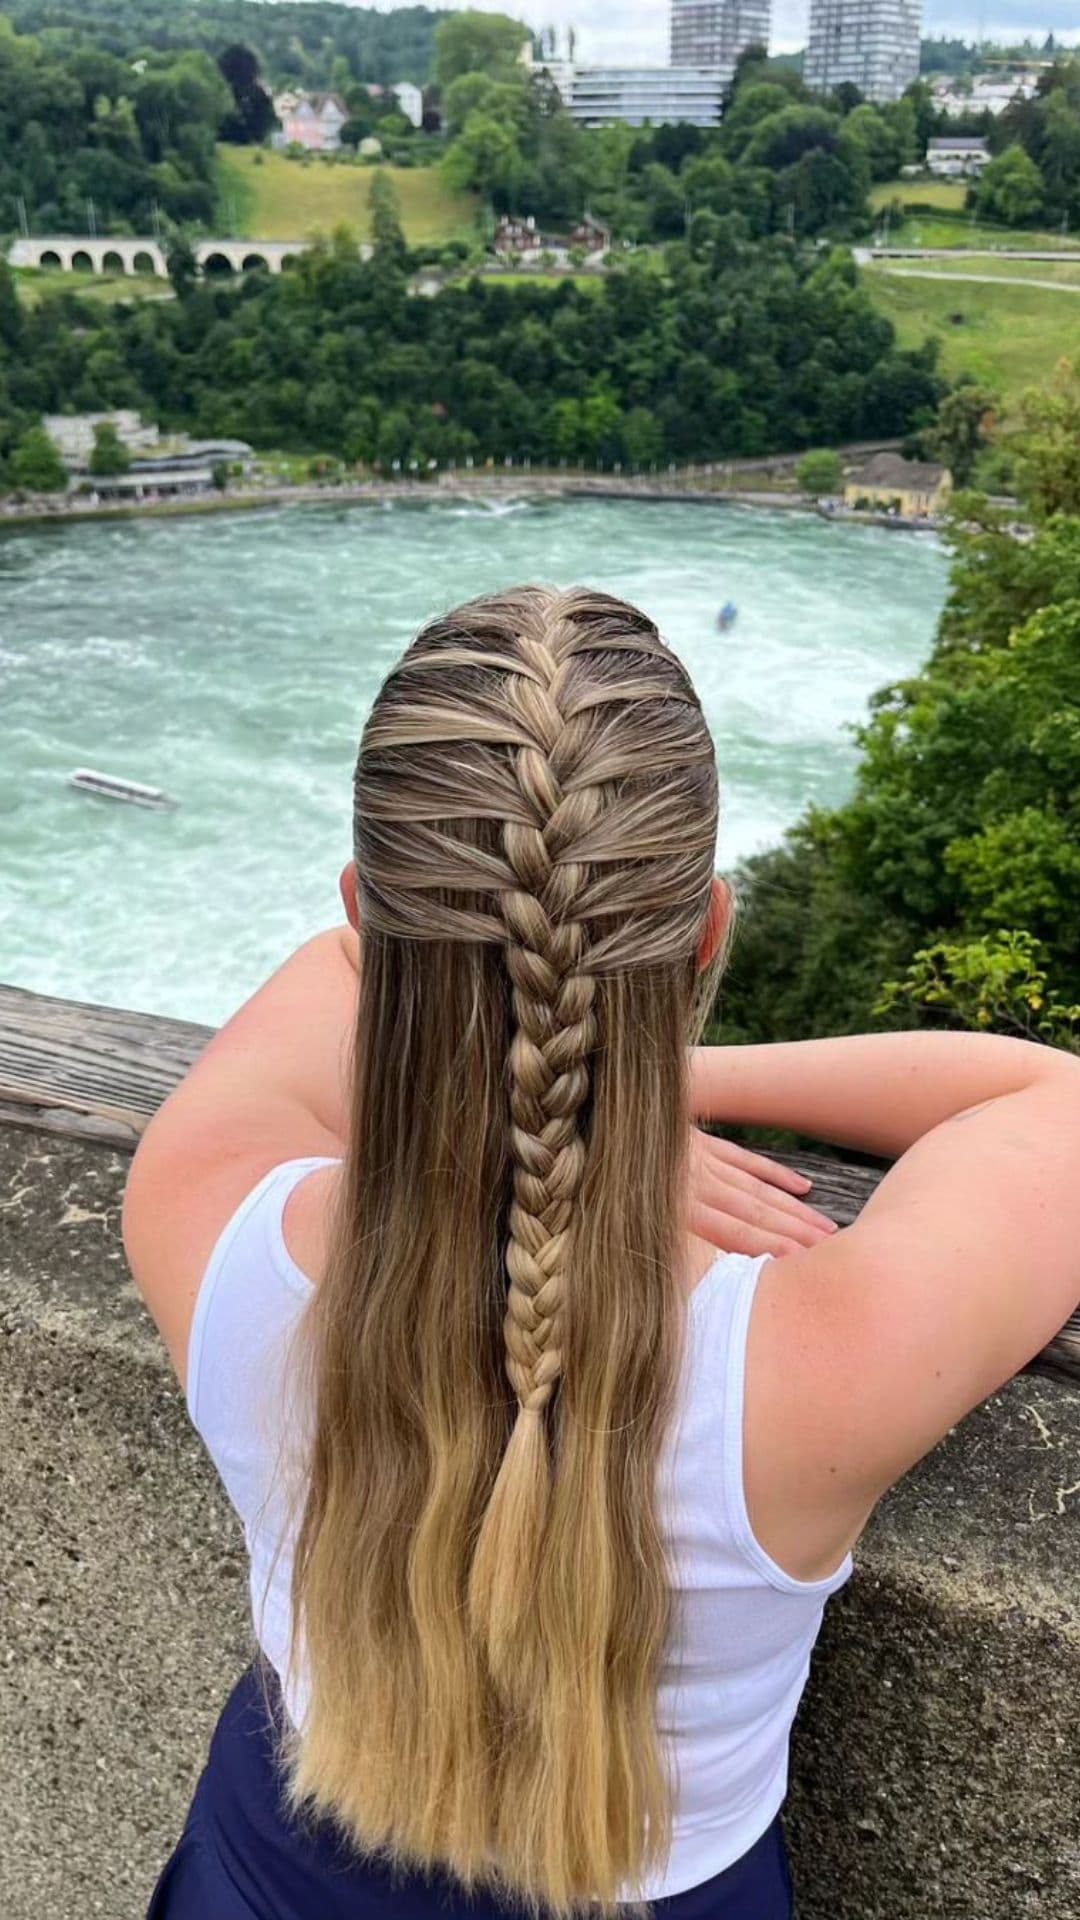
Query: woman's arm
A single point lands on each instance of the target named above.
(878, 1092)
(272, 1085)
(867, 1349)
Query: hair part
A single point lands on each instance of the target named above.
(481, 1589)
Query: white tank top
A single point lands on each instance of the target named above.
(743, 1629)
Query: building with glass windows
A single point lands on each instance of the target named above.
(873, 44)
(713, 33)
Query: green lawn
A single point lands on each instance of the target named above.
(950, 226)
(1009, 337)
(948, 194)
(924, 230)
(35, 282)
(530, 277)
(269, 196)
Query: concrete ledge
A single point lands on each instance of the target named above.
(935, 1767)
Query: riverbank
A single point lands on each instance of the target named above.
(522, 485)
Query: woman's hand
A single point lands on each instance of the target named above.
(744, 1203)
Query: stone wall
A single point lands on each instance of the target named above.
(935, 1767)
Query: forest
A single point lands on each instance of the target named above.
(297, 42)
(716, 348)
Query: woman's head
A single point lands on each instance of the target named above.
(481, 1579)
(539, 746)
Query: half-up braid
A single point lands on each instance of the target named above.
(481, 1592)
(554, 1036)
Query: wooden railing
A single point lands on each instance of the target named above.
(99, 1073)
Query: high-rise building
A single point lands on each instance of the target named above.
(872, 43)
(713, 33)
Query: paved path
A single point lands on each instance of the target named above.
(864, 255)
(978, 279)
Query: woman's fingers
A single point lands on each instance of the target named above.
(727, 1153)
(729, 1234)
(758, 1213)
(742, 1193)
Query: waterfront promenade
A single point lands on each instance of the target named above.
(752, 483)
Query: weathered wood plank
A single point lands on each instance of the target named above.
(98, 1073)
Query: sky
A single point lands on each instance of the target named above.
(636, 31)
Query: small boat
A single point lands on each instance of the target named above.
(727, 616)
(111, 787)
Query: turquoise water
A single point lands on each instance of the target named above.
(232, 661)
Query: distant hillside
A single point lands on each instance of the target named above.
(296, 40)
(270, 196)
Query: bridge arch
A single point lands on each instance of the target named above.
(113, 262)
(254, 262)
(82, 261)
(143, 262)
(217, 263)
(50, 258)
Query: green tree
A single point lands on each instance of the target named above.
(485, 157)
(880, 139)
(11, 314)
(963, 428)
(181, 264)
(820, 472)
(387, 232)
(642, 438)
(109, 454)
(36, 465)
(1011, 189)
(252, 115)
(477, 43)
(1048, 446)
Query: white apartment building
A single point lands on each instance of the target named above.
(954, 158)
(410, 100)
(874, 44)
(985, 93)
(657, 96)
(713, 33)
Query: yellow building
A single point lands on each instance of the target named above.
(914, 488)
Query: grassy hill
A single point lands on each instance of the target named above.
(269, 196)
(1008, 335)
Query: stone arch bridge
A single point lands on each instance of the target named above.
(75, 254)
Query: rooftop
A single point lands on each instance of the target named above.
(891, 470)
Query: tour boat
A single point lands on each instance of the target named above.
(113, 788)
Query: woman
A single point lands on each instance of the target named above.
(544, 1500)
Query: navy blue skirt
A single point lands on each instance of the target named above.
(241, 1857)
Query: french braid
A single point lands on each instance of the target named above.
(555, 1028)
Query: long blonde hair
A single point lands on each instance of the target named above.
(481, 1589)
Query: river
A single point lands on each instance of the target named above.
(232, 661)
